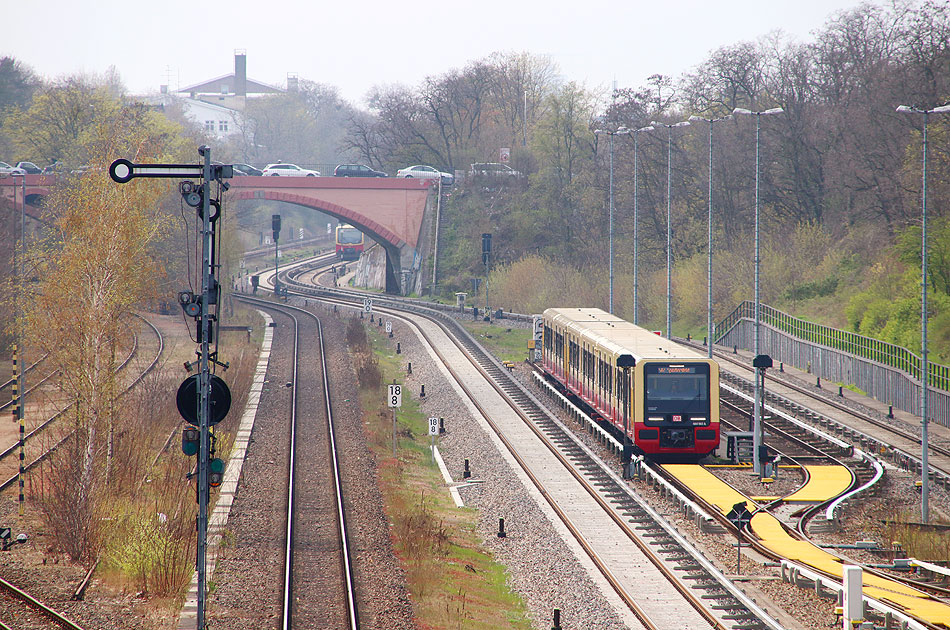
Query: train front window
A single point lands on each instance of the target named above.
(677, 392)
(350, 236)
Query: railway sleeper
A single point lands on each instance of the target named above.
(638, 517)
(702, 576)
(680, 556)
(740, 615)
(709, 526)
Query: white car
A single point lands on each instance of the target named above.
(6, 169)
(422, 171)
(289, 170)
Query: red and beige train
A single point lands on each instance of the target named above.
(664, 395)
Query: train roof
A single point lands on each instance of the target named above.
(618, 335)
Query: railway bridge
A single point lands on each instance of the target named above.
(393, 212)
(397, 213)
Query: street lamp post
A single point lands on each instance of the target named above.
(709, 307)
(636, 221)
(610, 194)
(924, 374)
(757, 415)
(669, 222)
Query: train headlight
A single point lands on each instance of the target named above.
(700, 420)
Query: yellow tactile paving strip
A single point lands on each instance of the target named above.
(773, 535)
(824, 482)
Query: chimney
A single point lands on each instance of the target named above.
(240, 72)
(292, 82)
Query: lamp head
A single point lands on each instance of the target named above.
(684, 123)
(941, 109)
(904, 109)
(774, 110)
(742, 110)
(647, 128)
(598, 132)
(654, 123)
(694, 118)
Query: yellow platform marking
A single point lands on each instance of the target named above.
(824, 482)
(773, 535)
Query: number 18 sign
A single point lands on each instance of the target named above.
(395, 395)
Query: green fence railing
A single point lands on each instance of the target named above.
(882, 352)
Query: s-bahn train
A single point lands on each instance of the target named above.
(349, 242)
(664, 395)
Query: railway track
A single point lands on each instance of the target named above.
(665, 556)
(807, 446)
(28, 611)
(318, 576)
(898, 443)
(43, 425)
(19, 600)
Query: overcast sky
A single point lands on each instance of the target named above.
(360, 43)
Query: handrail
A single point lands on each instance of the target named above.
(882, 352)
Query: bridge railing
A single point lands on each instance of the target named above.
(886, 371)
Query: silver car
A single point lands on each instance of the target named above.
(284, 169)
(6, 169)
(422, 171)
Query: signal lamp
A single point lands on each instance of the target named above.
(190, 438)
(215, 472)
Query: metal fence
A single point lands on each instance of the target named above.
(888, 372)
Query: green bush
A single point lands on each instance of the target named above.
(808, 290)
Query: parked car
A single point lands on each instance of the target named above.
(29, 167)
(288, 170)
(421, 171)
(246, 169)
(6, 169)
(493, 169)
(357, 170)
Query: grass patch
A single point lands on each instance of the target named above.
(927, 545)
(854, 388)
(453, 580)
(507, 344)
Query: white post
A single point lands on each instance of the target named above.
(853, 597)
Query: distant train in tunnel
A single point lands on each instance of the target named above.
(665, 396)
(349, 242)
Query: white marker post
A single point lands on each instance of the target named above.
(394, 400)
(433, 431)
